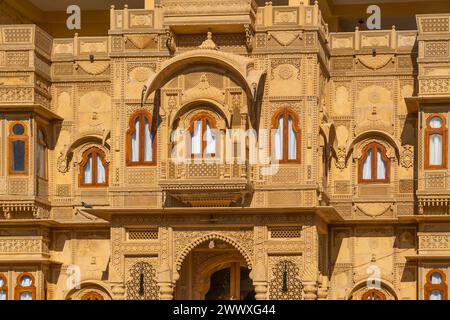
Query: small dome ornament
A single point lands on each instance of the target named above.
(209, 43)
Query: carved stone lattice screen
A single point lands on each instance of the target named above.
(285, 281)
(141, 284)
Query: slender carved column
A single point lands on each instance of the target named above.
(310, 290)
(259, 278)
(118, 291)
(165, 283)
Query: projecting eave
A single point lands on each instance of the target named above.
(418, 257)
(422, 218)
(413, 103)
(35, 108)
(327, 214)
(29, 260)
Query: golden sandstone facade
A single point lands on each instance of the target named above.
(102, 197)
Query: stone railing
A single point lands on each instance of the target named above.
(289, 16)
(209, 13)
(387, 40)
(196, 7)
(81, 47)
(134, 19)
(206, 170)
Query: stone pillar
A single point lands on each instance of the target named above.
(259, 277)
(118, 291)
(310, 290)
(322, 291)
(149, 4)
(165, 283)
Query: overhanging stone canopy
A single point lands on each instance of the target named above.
(207, 53)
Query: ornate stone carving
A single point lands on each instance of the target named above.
(375, 62)
(407, 157)
(374, 209)
(285, 281)
(285, 38)
(141, 41)
(94, 68)
(208, 43)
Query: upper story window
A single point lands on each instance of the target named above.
(41, 155)
(25, 287)
(436, 286)
(286, 147)
(18, 149)
(436, 143)
(3, 287)
(374, 165)
(203, 135)
(141, 150)
(93, 169)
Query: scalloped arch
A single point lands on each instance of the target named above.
(212, 236)
(373, 134)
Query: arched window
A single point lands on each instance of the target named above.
(25, 287)
(374, 165)
(436, 143)
(203, 132)
(18, 149)
(286, 140)
(436, 286)
(94, 169)
(41, 155)
(3, 287)
(373, 294)
(141, 149)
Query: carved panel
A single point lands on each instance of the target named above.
(285, 281)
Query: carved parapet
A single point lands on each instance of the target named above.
(133, 19)
(207, 183)
(209, 13)
(24, 210)
(434, 204)
(366, 41)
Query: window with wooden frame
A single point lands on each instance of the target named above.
(25, 287)
(286, 137)
(203, 131)
(374, 165)
(94, 169)
(41, 154)
(436, 285)
(3, 287)
(373, 294)
(141, 148)
(436, 142)
(18, 149)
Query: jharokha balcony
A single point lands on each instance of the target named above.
(205, 183)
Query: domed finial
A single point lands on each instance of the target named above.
(208, 43)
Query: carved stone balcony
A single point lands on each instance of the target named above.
(205, 184)
(231, 14)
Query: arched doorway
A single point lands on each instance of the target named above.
(373, 294)
(214, 270)
(92, 295)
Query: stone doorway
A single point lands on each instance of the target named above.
(214, 270)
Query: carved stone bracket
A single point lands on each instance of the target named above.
(170, 41)
(249, 35)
